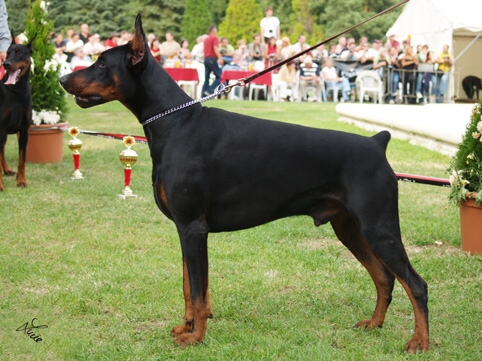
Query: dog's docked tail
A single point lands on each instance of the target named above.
(382, 138)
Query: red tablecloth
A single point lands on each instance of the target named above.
(239, 74)
(188, 74)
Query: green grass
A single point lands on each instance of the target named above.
(105, 275)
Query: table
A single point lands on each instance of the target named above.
(183, 74)
(239, 74)
(185, 78)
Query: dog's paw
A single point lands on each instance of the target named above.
(22, 184)
(9, 173)
(181, 329)
(187, 339)
(369, 324)
(417, 345)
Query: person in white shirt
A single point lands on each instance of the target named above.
(331, 77)
(197, 51)
(269, 25)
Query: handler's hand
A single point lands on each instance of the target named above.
(3, 56)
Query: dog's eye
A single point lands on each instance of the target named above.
(100, 63)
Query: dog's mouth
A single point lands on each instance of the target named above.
(88, 101)
(13, 76)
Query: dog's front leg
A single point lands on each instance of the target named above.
(22, 155)
(196, 285)
(3, 163)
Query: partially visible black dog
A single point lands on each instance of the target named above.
(471, 85)
(16, 106)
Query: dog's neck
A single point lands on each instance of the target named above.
(149, 101)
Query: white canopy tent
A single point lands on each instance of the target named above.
(457, 23)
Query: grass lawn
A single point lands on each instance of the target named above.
(105, 275)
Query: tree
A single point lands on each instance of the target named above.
(158, 17)
(303, 21)
(241, 21)
(218, 10)
(47, 94)
(16, 10)
(339, 15)
(103, 17)
(196, 20)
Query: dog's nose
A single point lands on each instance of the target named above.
(63, 80)
(7, 65)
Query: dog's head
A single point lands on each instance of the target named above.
(113, 76)
(18, 61)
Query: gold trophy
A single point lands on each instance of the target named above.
(75, 145)
(128, 157)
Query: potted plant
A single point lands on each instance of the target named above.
(466, 182)
(48, 98)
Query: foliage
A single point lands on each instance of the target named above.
(196, 20)
(339, 15)
(16, 15)
(103, 17)
(47, 94)
(218, 10)
(241, 21)
(316, 19)
(158, 17)
(466, 167)
(304, 23)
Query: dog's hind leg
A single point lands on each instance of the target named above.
(348, 231)
(379, 224)
(196, 285)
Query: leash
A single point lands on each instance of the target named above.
(404, 177)
(224, 89)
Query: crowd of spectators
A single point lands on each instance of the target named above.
(421, 74)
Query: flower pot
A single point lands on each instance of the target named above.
(471, 226)
(45, 143)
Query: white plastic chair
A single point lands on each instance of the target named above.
(256, 88)
(275, 88)
(369, 82)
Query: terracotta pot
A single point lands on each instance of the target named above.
(471, 226)
(45, 143)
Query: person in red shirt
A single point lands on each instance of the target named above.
(213, 61)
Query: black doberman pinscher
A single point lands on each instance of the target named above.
(217, 171)
(16, 106)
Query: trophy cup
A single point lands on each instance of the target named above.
(75, 145)
(128, 157)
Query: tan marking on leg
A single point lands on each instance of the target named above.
(420, 340)
(188, 322)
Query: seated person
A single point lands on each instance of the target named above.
(332, 79)
(309, 76)
(226, 50)
(287, 80)
(80, 59)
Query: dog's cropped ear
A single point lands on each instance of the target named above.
(139, 51)
(12, 35)
(30, 43)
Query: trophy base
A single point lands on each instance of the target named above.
(125, 196)
(77, 176)
(127, 193)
